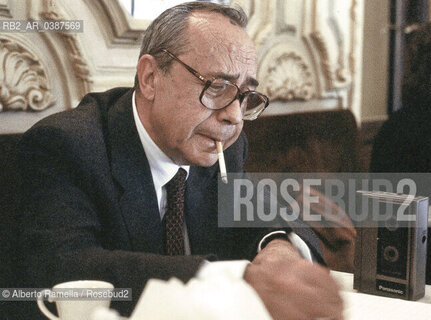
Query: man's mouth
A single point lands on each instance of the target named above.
(214, 138)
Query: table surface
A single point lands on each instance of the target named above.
(360, 306)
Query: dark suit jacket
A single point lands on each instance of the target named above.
(89, 208)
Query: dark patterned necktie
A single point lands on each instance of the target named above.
(174, 216)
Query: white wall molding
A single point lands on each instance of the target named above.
(5, 9)
(120, 27)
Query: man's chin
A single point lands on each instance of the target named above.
(203, 160)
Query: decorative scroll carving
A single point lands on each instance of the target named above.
(260, 26)
(23, 81)
(324, 55)
(281, 25)
(341, 73)
(288, 78)
(327, 30)
(79, 64)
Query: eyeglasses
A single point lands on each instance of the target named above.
(220, 93)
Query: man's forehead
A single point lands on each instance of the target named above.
(220, 62)
(201, 17)
(212, 35)
(213, 28)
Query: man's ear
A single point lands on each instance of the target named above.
(147, 68)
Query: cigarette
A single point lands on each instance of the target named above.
(221, 161)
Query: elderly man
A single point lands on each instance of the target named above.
(97, 191)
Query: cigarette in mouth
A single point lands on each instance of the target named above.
(221, 161)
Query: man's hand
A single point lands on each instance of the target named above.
(291, 287)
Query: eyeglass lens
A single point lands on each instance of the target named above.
(220, 93)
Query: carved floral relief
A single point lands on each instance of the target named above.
(287, 78)
(23, 81)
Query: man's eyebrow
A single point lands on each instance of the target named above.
(225, 76)
(252, 82)
(232, 78)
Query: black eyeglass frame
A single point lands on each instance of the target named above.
(207, 83)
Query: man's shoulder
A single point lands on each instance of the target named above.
(84, 127)
(92, 109)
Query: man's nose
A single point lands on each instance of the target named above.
(232, 113)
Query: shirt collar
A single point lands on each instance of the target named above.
(163, 169)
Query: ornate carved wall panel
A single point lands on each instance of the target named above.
(309, 55)
(308, 50)
(286, 76)
(59, 68)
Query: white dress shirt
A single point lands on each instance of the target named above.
(163, 169)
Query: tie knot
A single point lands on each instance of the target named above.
(178, 183)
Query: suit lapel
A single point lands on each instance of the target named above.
(131, 170)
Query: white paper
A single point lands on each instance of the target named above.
(216, 298)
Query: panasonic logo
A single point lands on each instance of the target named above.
(391, 290)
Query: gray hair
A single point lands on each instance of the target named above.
(167, 31)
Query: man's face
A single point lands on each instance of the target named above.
(179, 124)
